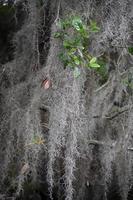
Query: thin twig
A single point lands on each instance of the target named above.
(103, 86)
(58, 12)
(95, 142)
(130, 149)
(123, 47)
(116, 114)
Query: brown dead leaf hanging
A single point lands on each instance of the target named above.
(46, 83)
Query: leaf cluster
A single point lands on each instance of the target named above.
(102, 70)
(130, 50)
(74, 34)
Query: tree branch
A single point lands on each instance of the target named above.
(130, 149)
(117, 113)
(96, 142)
(58, 12)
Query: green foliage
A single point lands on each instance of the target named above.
(74, 34)
(130, 50)
(102, 71)
(93, 27)
(93, 63)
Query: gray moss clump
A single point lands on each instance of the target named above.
(64, 137)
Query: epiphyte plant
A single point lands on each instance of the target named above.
(75, 34)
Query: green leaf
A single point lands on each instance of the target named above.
(57, 35)
(75, 45)
(67, 44)
(73, 50)
(77, 20)
(76, 72)
(102, 70)
(93, 60)
(94, 65)
(77, 27)
(93, 27)
(76, 60)
(130, 50)
(77, 23)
